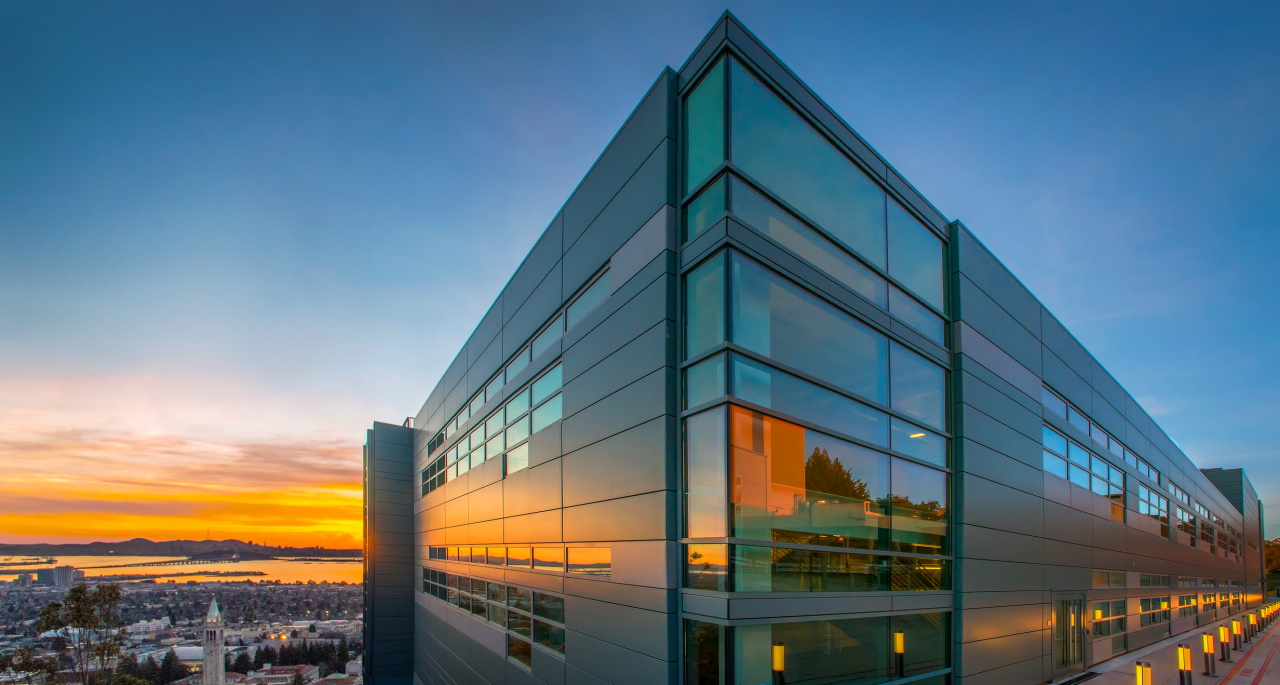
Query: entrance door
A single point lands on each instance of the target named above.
(1068, 634)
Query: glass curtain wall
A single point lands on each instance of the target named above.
(816, 453)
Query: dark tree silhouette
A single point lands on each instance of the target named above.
(822, 474)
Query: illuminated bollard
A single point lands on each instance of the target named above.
(778, 662)
(1142, 673)
(1206, 642)
(1237, 635)
(1224, 634)
(1253, 625)
(1184, 665)
(900, 652)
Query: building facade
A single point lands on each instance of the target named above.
(752, 410)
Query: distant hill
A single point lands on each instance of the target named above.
(141, 547)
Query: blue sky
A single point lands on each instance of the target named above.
(271, 223)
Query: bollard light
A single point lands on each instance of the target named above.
(1142, 673)
(900, 652)
(1184, 665)
(778, 662)
(1224, 638)
(1206, 643)
(1237, 634)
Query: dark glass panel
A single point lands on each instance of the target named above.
(924, 445)
(776, 319)
(704, 210)
(915, 256)
(925, 641)
(778, 148)
(918, 386)
(588, 300)
(704, 127)
(810, 245)
(704, 381)
(519, 650)
(549, 607)
(917, 316)
(791, 484)
(919, 504)
(706, 567)
(706, 478)
(845, 651)
(703, 645)
(549, 636)
(774, 389)
(704, 306)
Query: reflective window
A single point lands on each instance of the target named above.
(703, 643)
(917, 386)
(495, 386)
(548, 558)
(778, 148)
(549, 607)
(590, 561)
(518, 431)
(917, 442)
(704, 381)
(518, 556)
(785, 229)
(548, 336)
(917, 316)
(493, 425)
(704, 306)
(707, 567)
(919, 508)
(518, 458)
(704, 127)
(706, 483)
(549, 636)
(548, 413)
(547, 385)
(798, 485)
(519, 650)
(815, 651)
(915, 256)
(588, 300)
(518, 404)
(774, 389)
(781, 569)
(517, 363)
(776, 319)
(704, 210)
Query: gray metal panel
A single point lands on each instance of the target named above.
(614, 664)
(983, 397)
(632, 319)
(1061, 378)
(648, 243)
(705, 50)
(635, 360)
(643, 196)
(546, 253)
(530, 316)
(632, 462)
(995, 435)
(645, 129)
(1107, 386)
(995, 324)
(532, 489)
(647, 632)
(631, 406)
(983, 461)
(998, 506)
(485, 365)
(989, 275)
(639, 517)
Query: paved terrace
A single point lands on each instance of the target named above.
(1257, 664)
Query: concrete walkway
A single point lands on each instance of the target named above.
(1258, 664)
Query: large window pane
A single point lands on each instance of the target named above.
(925, 641)
(703, 645)
(706, 567)
(704, 210)
(791, 484)
(704, 381)
(548, 384)
(915, 256)
(846, 651)
(547, 414)
(774, 389)
(911, 439)
(780, 569)
(791, 233)
(704, 127)
(919, 386)
(919, 508)
(917, 316)
(588, 300)
(706, 474)
(704, 306)
(778, 148)
(779, 320)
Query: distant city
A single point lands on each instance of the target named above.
(151, 605)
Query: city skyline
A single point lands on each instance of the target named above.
(196, 334)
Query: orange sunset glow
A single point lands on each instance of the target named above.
(158, 463)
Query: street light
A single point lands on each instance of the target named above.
(779, 663)
(1206, 642)
(1184, 665)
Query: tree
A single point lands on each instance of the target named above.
(243, 663)
(25, 662)
(171, 669)
(311, 628)
(823, 475)
(297, 678)
(90, 622)
(125, 679)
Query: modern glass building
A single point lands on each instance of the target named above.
(753, 411)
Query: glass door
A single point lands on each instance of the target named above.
(1068, 634)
